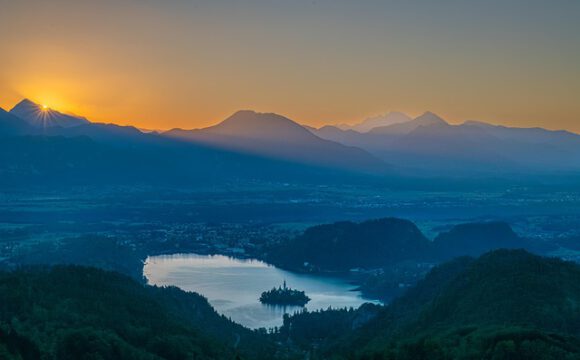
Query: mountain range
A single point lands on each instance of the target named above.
(430, 145)
(270, 146)
(276, 136)
(247, 146)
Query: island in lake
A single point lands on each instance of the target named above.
(283, 295)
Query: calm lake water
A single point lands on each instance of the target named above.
(233, 286)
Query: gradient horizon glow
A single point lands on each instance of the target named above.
(179, 63)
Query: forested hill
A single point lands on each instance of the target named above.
(345, 245)
(507, 304)
(84, 313)
(474, 239)
(380, 243)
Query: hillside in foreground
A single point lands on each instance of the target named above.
(83, 313)
(507, 304)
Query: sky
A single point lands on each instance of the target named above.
(160, 64)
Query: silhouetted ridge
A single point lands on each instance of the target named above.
(40, 117)
(272, 135)
(250, 124)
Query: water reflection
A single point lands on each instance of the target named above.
(233, 286)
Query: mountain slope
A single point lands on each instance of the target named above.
(64, 161)
(484, 148)
(11, 125)
(275, 136)
(511, 286)
(70, 312)
(507, 304)
(535, 147)
(428, 146)
(105, 133)
(42, 118)
(48, 122)
(348, 137)
(532, 135)
(443, 148)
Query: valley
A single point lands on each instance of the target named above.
(119, 230)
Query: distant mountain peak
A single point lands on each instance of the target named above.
(426, 119)
(390, 118)
(43, 117)
(29, 105)
(245, 112)
(26, 103)
(252, 124)
(431, 118)
(276, 136)
(251, 115)
(25, 106)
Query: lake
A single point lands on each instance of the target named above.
(233, 286)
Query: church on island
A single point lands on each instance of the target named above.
(283, 295)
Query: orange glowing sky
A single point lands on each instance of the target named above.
(188, 63)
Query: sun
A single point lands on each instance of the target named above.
(44, 107)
